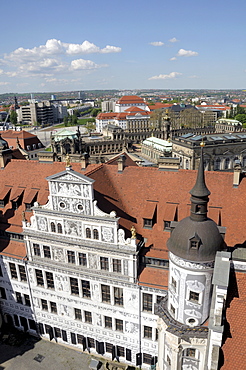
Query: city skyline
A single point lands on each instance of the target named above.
(134, 45)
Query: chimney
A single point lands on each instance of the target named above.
(121, 163)
(237, 174)
(84, 161)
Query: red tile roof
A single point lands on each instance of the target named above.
(235, 328)
(130, 99)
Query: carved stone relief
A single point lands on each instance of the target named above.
(92, 261)
(131, 328)
(72, 228)
(58, 255)
(42, 223)
(61, 283)
(107, 234)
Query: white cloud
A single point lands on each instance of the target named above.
(186, 53)
(83, 64)
(173, 40)
(193, 76)
(173, 58)
(57, 47)
(4, 83)
(166, 77)
(157, 43)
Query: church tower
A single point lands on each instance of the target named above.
(193, 245)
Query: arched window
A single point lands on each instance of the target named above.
(88, 233)
(95, 234)
(59, 228)
(217, 164)
(53, 227)
(227, 163)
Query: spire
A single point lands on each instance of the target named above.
(200, 189)
(199, 193)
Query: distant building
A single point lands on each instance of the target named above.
(221, 151)
(153, 148)
(36, 113)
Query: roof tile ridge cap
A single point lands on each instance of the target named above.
(93, 170)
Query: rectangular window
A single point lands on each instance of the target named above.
(106, 293)
(74, 286)
(167, 225)
(109, 347)
(194, 296)
(118, 296)
(39, 277)
(73, 338)
(116, 265)
(80, 338)
(88, 317)
(13, 271)
(22, 272)
(46, 250)
(120, 351)
(71, 256)
(2, 293)
(27, 300)
(82, 259)
(1, 272)
(53, 307)
(190, 352)
(147, 222)
(174, 284)
(78, 314)
(108, 322)
(44, 304)
(156, 334)
(147, 358)
(36, 249)
(86, 290)
(90, 342)
(147, 302)
(147, 332)
(119, 325)
(104, 263)
(64, 335)
(49, 280)
(18, 297)
(57, 332)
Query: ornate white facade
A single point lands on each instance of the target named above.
(81, 278)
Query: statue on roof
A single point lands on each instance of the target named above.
(133, 231)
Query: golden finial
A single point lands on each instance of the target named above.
(202, 143)
(133, 231)
(68, 161)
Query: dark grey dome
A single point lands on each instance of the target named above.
(195, 241)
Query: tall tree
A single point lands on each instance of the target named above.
(13, 117)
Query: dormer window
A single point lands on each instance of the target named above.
(148, 223)
(195, 242)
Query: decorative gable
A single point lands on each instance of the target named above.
(71, 191)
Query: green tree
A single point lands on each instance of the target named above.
(65, 121)
(95, 112)
(74, 120)
(241, 118)
(13, 117)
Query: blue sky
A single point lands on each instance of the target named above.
(53, 45)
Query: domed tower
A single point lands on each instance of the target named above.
(192, 248)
